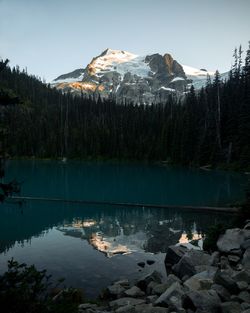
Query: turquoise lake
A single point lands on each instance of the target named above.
(92, 245)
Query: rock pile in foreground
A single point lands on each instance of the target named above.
(197, 282)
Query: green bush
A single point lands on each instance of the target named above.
(24, 289)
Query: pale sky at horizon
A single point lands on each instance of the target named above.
(53, 37)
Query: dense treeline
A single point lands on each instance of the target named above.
(211, 126)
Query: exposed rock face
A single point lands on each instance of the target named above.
(126, 77)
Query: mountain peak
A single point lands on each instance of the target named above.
(133, 78)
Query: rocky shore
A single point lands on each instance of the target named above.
(197, 282)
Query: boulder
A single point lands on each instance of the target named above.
(147, 308)
(243, 275)
(242, 285)
(175, 290)
(189, 262)
(144, 281)
(125, 301)
(224, 279)
(233, 259)
(126, 309)
(246, 259)
(245, 306)
(134, 292)
(244, 296)
(115, 290)
(231, 241)
(124, 283)
(174, 254)
(160, 288)
(222, 292)
(150, 287)
(245, 244)
(230, 307)
(215, 258)
(202, 280)
(204, 300)
(84, 306)
(151, 299)
(247, 226)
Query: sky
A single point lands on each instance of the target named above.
(53, 37)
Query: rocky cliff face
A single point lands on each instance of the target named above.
(127, 77)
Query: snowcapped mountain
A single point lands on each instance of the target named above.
(125, 76)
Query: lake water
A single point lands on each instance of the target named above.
(81, 242)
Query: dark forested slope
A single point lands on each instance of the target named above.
(210, 126)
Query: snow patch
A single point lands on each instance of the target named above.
(176, 79)
(166, 88)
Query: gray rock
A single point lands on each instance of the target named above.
(231, 241)
(205, 300)
(160, 288)
(246, 259)
(191, 259)
(224, 262)
(215, 258)
(134, 292)
(230, 307)
(151, 299)
(115, 290)
(222, 292)
(245, 306)
(124, 283)
(245, 244)
(246, 311)
(242, 285)
(144, 281)
(243, 275)
(147, 308)
(247, 226)
(85, 306)
(150, 287)
(244, 296)
(126, 309)
(224, 279)
(174, 254)
(125, 301)
(175, 303)
(194, 283)
(234, 259)
(202, 280)
(175, 290)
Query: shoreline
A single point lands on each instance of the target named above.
(196, 281)
(163, 163)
